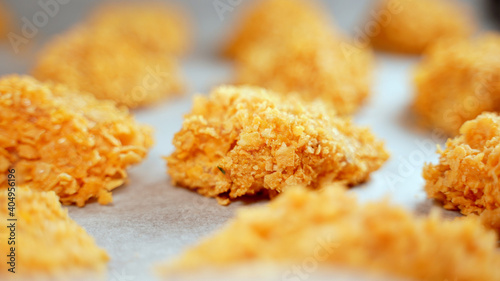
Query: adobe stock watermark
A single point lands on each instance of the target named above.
(413, 162)
(31, 26)
(475, 104)
(223, 6)
(372, 28)
(153, 80)
(116, 275)
(302, 271)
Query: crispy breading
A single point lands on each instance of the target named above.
(277, 20)
(151, 26)
(47, 240)
(66, 141)
(374, 237)
(328, 69)
(244, 140)
(410, 26)
(108, 67)
(457, 81)
(467, 176)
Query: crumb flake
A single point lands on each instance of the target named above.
(467, 176)
(264, 142)
(374, 237)
(66, 141)
(457, 81)
(409, 26)
(48, 241)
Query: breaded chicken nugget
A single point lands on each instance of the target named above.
(243, 140)
(316, 69)
(151, 26)
(332, 229)
(276, 20)
(90, 61)
(66, 141)
(457, 81)
(410, 26)
(467, 176)
(47, 241)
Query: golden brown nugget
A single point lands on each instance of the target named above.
(373, 237)
(316, 69)
(276, 21)
(467, 176)
(66, 141)
(410, 26)
(243, 140)
(47, 240)
(458, 80)
(90, 61)
(150, 26)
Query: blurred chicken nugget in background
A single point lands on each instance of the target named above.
(86, 61)
(66, 141)
(457, 80)
(5, 22)
(118, 55)
(291, 46)
(151, 26)
(330, 228)
(410, 26)
(316, 69)
(276, 21)
(49, 243)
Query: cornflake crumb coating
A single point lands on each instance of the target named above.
(48, 241)
(458, 80)
(117, 56)
(277, 20)
(330, 69)
(410, 26)
(152, 27)
(244, 140)
(376, 237)
(66, 141)
(467, 176)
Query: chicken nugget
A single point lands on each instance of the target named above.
(111, 69)
(276, 21)
(332, 229)
(410, 26)
(45, 239)
(458, 80)
(328, 69)
(245, 140)
(150, 26)
(467, 176)
(65, 141)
